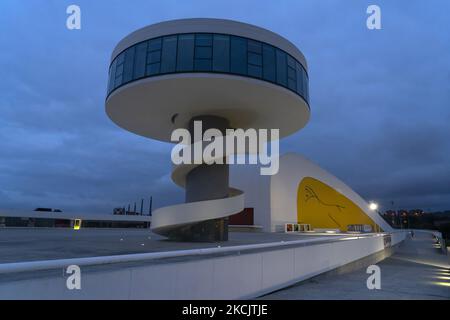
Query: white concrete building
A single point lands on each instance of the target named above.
(302, 192)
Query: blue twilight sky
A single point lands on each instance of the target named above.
(380, 100)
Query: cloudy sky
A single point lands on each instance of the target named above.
(380, 100)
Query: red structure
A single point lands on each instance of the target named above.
(243, 218)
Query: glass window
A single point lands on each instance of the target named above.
(221, 53)
(169, 54)
(120, 58)
(291, 62)
(269, 65)
(291, 84)
(154, 56)
(154, 44)
(140, 60)
(203, 39)
(299, 70)
(119, 70)
(254, 71)
(208, 52)
(305, 85)
(281, 68)
(118, 81)
(203, 52)
(185, 58)
(153, 69)
(128, 65)
(112, 76)
(254, 46)
(202, 65)
(291, 73)
(238, 58)
(254, 58)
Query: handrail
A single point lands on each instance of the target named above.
(102, 260)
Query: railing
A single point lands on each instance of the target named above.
(103, 260)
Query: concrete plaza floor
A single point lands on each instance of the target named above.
(31, 244)
(417, 270)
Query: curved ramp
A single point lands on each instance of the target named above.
(167, 219)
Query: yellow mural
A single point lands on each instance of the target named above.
(323, 207)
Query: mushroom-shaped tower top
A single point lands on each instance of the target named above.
(163, 75)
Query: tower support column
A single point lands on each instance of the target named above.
(206, 182)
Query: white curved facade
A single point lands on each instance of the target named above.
(275, 198)
(165, 76)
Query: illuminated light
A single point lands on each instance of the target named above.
(373, 206)
(442, 273)
(77, 224)
(444, 284)
(443, 278)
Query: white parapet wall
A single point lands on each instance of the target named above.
(236, 272)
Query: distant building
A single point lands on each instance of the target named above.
(119, 211)
(54, 219)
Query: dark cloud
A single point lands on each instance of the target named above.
(379, 100)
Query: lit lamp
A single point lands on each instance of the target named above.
(373, 206)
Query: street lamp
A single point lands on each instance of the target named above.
(373, 206)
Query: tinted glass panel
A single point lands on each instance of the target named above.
(140, 60)
(221, 53)
(202, 65)
(238, 59)
(208, 53)
(305, 85)
(281, 67)
(153, 69)
(112, 76)
(254, 46)
(119, 70)
(120, 58)
(169, 54)
(154, 44)
(118, 81)
(291, 73)
(290, 62)
(254, 58)
(269, 63)
(185, 59)
(203, 52)
(291, 84)
(203, 40)
(299, 79)
(154, 56)
(254, 71)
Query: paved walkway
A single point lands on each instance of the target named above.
(27, 244)
(418, 270)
